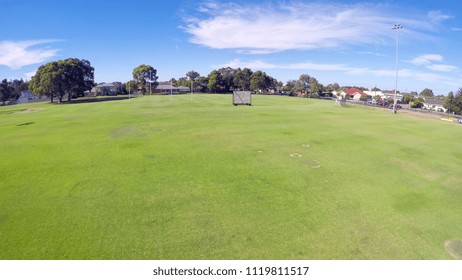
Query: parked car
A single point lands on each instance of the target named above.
(397, 106)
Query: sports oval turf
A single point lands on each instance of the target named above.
(196, 178)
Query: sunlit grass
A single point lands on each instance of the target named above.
(180, 178)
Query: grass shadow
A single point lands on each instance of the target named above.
(83, 100)
(24, 124)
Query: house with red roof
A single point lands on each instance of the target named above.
(353, 93)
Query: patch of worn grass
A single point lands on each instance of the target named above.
(454, 248)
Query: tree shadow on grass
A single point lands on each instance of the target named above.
(95, 99)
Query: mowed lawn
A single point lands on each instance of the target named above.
(182, 178)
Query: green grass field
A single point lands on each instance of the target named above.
(287, 178)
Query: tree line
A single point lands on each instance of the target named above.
(227, 79)
(72, 77)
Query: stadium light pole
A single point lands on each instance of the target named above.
(396, 27)
(150, 75)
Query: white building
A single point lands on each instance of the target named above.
(374, 93)
(436, 105)
(167, 87)
(105, 89)
(28, 96)
(353, 93)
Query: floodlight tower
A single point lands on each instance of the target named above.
(396, 27)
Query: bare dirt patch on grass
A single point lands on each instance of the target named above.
(454, 248)
(29, 110)
(312, 163)
(421, 170)
(295, 155)
(421, 115)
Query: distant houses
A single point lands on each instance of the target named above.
(436, 105)
(168, 87)
(106, 89)
(391, 95)
(357, 94)
(110, 89)
(385, 94)
(354, 94)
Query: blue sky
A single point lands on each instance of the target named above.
(348, 42)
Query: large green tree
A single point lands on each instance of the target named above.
(417, 103)
(330, 88)
(214, 81)
(201, 84)
(408, 98)
(19, 86)
(261, 82)
(193, 76)
(46, 81)
(6, 91)
(78, 77)
(71, 76)
(145, 77)
(182, 82)
(11, 90)
(290, 88)
(227, 79)
(315, 87)
(426, 93)
(130, 87)
(304, 82)
(453, 102)
(242, 79)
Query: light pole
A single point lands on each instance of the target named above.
(150, 75)
(396, 27)
(192, 85)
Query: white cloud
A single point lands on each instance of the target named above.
(442, 67)
(258, 64)
(260, 29)
(433, 62)
(16, 55)
(372, 53)
(427, 59)
(267, 28)
(437, 16)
